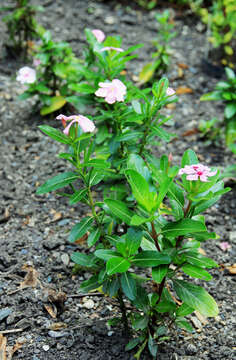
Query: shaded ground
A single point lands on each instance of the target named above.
(36, 228)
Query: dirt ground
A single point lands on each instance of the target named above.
(34, 229)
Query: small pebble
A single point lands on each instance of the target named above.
(46, 347)
(89, 304)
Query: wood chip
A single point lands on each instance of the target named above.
(182, 66)
(52, 311)
(31, 278)
(232, 269)
(57, 326)
(184, 90)
(3, 344)
(201, 317)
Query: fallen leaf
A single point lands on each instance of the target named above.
(171, 106)
(81, 240)
(201, 251)
(180, 73)
(51, 311)
(57, 326)
(15, 348)
(183, 90)
(3, 344)
(191, 132)
(31, 278)
(201, 317)
(232, 269)
(182, 66)
(57, 216)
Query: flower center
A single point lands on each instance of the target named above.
(200, 173)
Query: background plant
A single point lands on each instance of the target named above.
(162, 54)
(21, 25)
(226, 91)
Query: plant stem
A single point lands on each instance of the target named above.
(155, 236)
(123, 311)
(186, 210)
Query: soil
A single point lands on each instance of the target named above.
(34, 229)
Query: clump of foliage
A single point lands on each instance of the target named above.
(226, 91)
(21, 25)
(161, 56)
(148, 216)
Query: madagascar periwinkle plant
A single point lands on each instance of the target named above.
(55, 68)
(154, 69)
(21, 25)
(144, 231)
(226, 91)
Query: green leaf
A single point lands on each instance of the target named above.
(117, 264)
(152, 346)
(133, 240)
(147, 72)
(119, 209)
(230, 73)
(90, 284)
(97, 164)
(183, 324)
(132, 344)
(165, 306)
(230, 110)
(106, 254)
(200, 260)
(139, 220)
(196, 272)
(129, 135)
(189, 158)
(162, 134)
(231, 132)
(57, 102)
(77, 196)
(214, 95)
(183, 227)
(82, 88)
(82, 259)
(184, 310)
(196, 297)
(94, 237)
(150, 258)
(128, 285)
(159, 272)
(57, 182)
(80, 229)
(55, 134)
(140, 189)
(136, 162)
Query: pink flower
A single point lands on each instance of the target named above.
(112, 91)
(197, 172)
(107, 48)
(170, 91)
(224, 246)
(26, 75)
(99, 35)
(36, 62)
(85, 124)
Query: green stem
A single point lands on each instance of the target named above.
(123, 311)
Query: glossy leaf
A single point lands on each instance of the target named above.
(196, 297)
(119, 209)
(184, 310)
(94, 237)
(80, 229)
(57, 182)
(117, 264)
(159, 272)
(128, 285)
(183, 227)
(196, 272)
(57, 102)
(133, 240)
(55, 134)
(150, 259)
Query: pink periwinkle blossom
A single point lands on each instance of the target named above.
(111, 91)
(197, 172)
(26, 75)
(36, 62)
(108, 48)
(85, 124)
(224, 246)
(170, 91)
(99, 35)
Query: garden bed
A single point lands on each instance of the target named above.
(34, 229)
